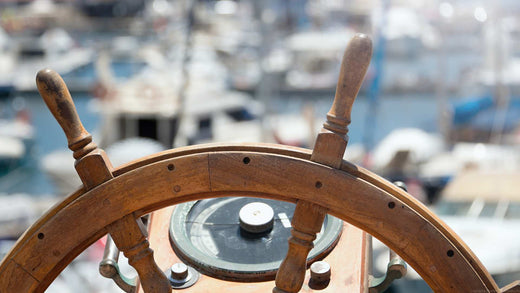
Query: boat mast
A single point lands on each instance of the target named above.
(501, 91)
(185, 75)
(444, 115)
(374, 90)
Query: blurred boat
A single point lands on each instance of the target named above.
(483, 118)
(400, 156)
(16, 141)
(174, 105)
(12, 152)
(55, 48)
(305, 63)
(112, 8)
(7, 61)
(315, 59)
(405, 148)
(411, 154)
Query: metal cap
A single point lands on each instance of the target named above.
(256, 217)
(320, 272)
(182, 276)
(179, 271)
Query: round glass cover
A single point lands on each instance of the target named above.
(207, 234)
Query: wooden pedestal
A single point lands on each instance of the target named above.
(348, 261)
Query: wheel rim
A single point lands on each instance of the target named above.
(204, 172)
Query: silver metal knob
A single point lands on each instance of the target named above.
(182, 276)
(256, 217)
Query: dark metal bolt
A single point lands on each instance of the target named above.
(401, 185)
(320, 272)
(179, 271)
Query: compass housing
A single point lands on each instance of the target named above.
(207, 234)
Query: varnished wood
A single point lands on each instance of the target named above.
(328, 150)
(309, 220)
(57, 97)
(353, 68)
(512, 288)
(208, 172)
(130, 240)
(346, 262)
(94, 168)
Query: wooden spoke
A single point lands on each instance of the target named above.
(94, 168)
(132, 242)
(328, 150)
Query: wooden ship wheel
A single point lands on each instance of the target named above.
(319, 182)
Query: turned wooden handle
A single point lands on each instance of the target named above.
(328, 150)
(94, 168)
(353, 69)
(56, 95)
(291, 273)
(131, 240)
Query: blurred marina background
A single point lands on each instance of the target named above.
(439, 108)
